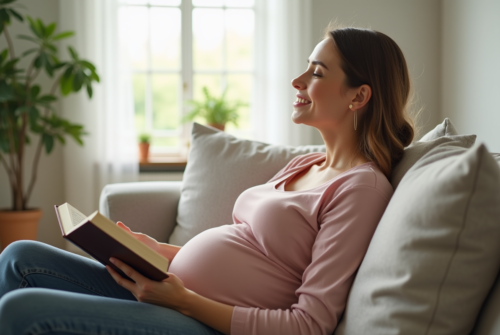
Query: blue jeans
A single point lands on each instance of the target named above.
(45, 290)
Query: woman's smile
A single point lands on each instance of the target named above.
(301, 101)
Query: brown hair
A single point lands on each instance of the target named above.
(372, 58)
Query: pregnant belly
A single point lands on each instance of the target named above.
(222, 265)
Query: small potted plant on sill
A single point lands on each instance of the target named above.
(215, 110)
(144, 142)
(27, 116)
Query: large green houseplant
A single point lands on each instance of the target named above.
(216, 111)
(27, 116)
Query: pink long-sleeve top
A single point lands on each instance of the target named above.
(288, 261)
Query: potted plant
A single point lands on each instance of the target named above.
(144, 141)
(215, 110)
(27, 115)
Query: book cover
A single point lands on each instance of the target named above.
(101, 238)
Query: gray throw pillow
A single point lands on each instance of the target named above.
(418, 149)
(488, 322)
(434, 255)
(220, 167)
(445, 128)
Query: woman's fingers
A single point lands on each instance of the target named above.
(119, 223)
(125, 283)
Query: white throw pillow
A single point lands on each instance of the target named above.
(435, 253)
(220, 167)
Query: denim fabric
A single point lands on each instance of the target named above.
(45, 290)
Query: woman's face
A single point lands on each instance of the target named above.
(322, 98)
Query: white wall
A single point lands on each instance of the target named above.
(414, 25)
(49, 189)
(470, 72)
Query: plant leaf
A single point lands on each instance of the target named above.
(73, 53)
(49, 30)
(28, 38)
(16, 14)
(61, 139)
(6, 91)
(4, 16)
(78, 80)
(30, 51)
(48, 141)
(62, 35)
(67, 81)
(34, 27)
(89, 90)
(35, 90)
(6, 2)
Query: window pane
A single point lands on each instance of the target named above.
(139, 87)
(133, 27)
(134, 2)
(207, 3)
(208, 34)
(157, 141)
(239, 3)
(165, 2)
(239, 88)
(239, 42)
(165, 38)
(165, 100)
(211, 81)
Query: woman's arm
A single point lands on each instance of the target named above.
(212, 313)
(166, 250)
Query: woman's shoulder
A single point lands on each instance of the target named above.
(366, 176)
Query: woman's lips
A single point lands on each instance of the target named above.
(301, 102)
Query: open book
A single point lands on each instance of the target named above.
(101, 238)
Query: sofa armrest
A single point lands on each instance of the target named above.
(146, 207)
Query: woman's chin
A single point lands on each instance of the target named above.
(297, 117)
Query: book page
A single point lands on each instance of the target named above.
(75, 215)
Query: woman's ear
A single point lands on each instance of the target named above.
(363, 95)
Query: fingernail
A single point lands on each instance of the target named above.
(112, 260)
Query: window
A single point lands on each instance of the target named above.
(174, 48)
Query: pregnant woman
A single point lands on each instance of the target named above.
(287, 263)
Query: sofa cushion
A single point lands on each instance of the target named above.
(417, 150)
(444, 132)
(434, 255)
(488, 322)
(445, 128)
(220, 167)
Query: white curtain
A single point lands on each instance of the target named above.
(283, 44)
(110, 151)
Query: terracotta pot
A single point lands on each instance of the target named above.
(18, 225)
(219, 126)
(143, 151)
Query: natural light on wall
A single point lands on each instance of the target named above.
(174, 48)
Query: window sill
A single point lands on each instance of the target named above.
(163, 164)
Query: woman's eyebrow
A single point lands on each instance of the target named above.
(317, 62)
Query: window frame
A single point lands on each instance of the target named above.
(187, 73)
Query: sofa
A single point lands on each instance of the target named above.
(433, 263)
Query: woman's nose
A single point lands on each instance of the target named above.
(298, 83)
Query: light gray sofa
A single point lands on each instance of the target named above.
(433, 262)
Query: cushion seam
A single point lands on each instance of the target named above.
(457, 244)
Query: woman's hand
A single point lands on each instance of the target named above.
(172, 294)
(166, 250)
(149, 241)
(169, 293)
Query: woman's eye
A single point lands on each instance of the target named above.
(317, 75)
